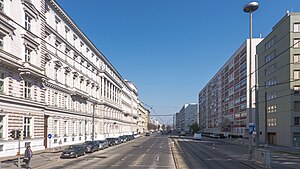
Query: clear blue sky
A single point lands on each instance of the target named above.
(170, 49)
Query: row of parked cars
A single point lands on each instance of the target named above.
(74, 151)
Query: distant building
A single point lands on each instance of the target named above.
(279, 81)
(224, 101)
(187, 116)
(143, 118)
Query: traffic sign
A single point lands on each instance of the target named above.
(251, 128)
(49, 135)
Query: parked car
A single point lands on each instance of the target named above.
(118, 140)
(123, 139)
(103, 144)
(147, 133)
(111, 141)
(73, 151)
(91, 146)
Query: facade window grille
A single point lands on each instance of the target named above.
(271, 82)
(28, 22)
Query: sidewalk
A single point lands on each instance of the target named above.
(272, 148)
(13, 158)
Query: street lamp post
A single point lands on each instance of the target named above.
(249, 8)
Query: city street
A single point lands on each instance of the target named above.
(145, 152)
(163, 151)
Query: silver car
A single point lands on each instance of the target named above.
(103, 144)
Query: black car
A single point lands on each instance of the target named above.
(73, 151)
(111, 141)
(123, 139)
(91, 146)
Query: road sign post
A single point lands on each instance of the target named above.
(49, 136)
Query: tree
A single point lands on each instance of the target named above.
(194, 127)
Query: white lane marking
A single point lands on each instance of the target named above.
(147, 150)
(124, 158)
(157, 159)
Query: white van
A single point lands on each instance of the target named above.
(197, 136)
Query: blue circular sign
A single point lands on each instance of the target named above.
(49, 135)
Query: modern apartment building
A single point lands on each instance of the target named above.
(224, 101)
(53, 80)
(279, 85)
(187, 116)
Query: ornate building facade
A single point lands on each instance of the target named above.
(54, 81)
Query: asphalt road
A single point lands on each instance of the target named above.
(146, 152)
(211, 153)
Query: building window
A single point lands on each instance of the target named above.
(73, 128)
(80, 128)
(270, 43)
(297, 43)
(27, 89)
(272, 108)
(55, 128)
(28, 22)
(297, 89)
(2, 81)
(271, 69)
(296, 74)
(57, 22)
(65, 102)
(271, 82)
(271, 95)
(296, 27)
(27, 54)
(1, 6)
(272, 122)
(296, 58)
(1, 126)
(65, 128)
(1, 42)
(27, 126)
(67, 30)
(296, 120)
(270, 57)
(297, 105)
(74, 40)
(55, 73)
